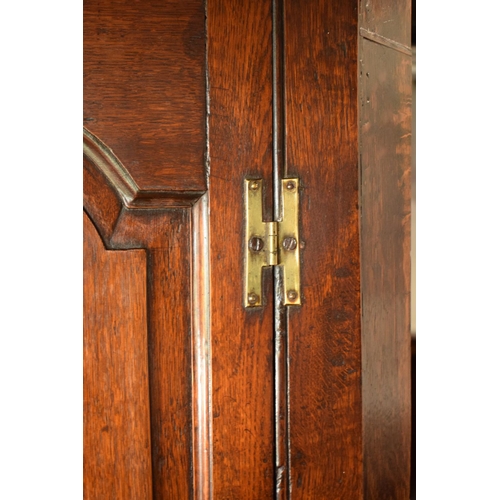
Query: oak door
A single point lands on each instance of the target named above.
(188, 393)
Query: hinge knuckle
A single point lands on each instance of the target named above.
(272, 238)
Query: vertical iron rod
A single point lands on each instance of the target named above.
(282, 473)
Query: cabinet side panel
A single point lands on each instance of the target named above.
(117, 448)
(385, 140)
(387, 18)
(324, 333)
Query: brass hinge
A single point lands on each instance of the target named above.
(273, 243)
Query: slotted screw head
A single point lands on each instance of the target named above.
(252, 298)
(292, 295)
(256, 244)
(254, 185)
(289, 243)
(290, 185)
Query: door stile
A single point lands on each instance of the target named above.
(241, 147)
(324, 332)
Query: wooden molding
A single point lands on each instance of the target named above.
(116, 174)
(120, 180)
(177, 283)
(144, 74)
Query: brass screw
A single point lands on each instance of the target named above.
(256, 244)
(292, 295)
(290, 185)
(254, 185)
(252, 298)
(289, 243)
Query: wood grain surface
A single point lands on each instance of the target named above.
(166, 234)
(117, 446)
(166, 237)
(385, 142)
(324, 333)
(240, 131)
(102, 203)
(390, 19)
(188, 394)
(145, 87)
(170, 359)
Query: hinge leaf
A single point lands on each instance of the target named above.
(271, 243)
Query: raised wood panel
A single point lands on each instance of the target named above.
(145, 86)
(240, 69)
(171, 361)
(385, 146)
(325, 332)
(167, 237)
(117, 445)
(176, 397)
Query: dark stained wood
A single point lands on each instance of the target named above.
(324, 333)
(307, 403)
(390, 19)
(108, 164)
(240, 69)
(102, 203)
(117, 447)
(166, 234)
(385, 146)
(170, 358)
(144, 88)
(387, 42)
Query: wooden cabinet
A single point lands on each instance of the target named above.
(189, 394)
